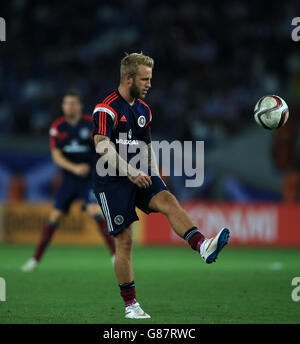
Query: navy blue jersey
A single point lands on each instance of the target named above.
(122, 123)
(75, 141)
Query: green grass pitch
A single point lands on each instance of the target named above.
(78, 285)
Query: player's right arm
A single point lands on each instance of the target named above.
(103, 146)
(57, 155)
(59, 159)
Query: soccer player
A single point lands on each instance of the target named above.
(125, 112)
(72, 149)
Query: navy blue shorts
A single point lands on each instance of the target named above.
(71, 189)
(119, 198)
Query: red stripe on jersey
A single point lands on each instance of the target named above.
(54, 126)
(102, 122)
(57, 122)
(99, 120)
(112, 99)
(109, 97)
(101, 105)
(150, 113)
(58, 136)
(52, 143)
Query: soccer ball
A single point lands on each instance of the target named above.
(271, 112)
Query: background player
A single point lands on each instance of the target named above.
(72, 150)
(123, 112)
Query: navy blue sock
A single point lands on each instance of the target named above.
(128, 293)
(98, 217)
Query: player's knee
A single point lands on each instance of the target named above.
(124, 241)
(168, 204)
(93, 209)
(125, 246)
(55, 216)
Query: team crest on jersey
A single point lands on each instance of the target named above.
(130, 134)
(119, 219)
(84, 133)
(53, 132)
(141, 121)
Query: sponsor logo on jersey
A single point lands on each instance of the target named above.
(53, 132)
(127, 142)
(74, 147)
(141, 121)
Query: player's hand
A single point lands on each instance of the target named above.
(141, 180)
(82, 170)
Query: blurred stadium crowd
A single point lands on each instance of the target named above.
(213, 60)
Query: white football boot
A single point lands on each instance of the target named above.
(134, 311)
(211, 247)
(30, 265)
